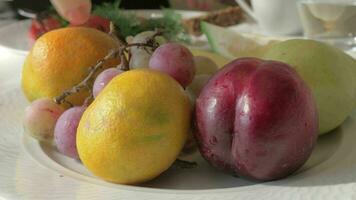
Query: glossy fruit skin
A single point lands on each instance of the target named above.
(175, 60)
(61, 58)
(135, 128)
(40, 118)
(328, 71)
(103, 79)
(65, 131)
(256, 119)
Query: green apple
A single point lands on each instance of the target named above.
(328, 71)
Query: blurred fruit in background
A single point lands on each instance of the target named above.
(40, 5)
(204, 5)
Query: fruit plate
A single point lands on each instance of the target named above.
(32, 170)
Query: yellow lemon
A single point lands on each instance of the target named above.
(135, 128)
(61, 58)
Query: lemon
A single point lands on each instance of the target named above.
(136, 127)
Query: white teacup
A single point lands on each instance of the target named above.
(274, 16)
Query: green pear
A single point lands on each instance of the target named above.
(329, 72)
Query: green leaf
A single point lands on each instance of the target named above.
(130, 24)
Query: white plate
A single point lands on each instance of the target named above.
(29, 170)
(14, 37)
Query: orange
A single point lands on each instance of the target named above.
(136, 127)
(61, 58)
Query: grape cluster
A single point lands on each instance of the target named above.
(46, 119)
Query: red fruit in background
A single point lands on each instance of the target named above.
(38, 28)
(97, 22)
(256, 119)
(50, 23)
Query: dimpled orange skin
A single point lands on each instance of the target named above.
(61, 58)
(136, 127)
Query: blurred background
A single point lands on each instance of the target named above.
(39, 5)
(9, 8)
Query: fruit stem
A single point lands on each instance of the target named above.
(116, 34)
(149, 43)
(124, 65)
(88, 99)
(84, 83)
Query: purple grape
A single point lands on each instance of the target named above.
(103, 79)
(40, 118)
(65, 131)
(175, 60)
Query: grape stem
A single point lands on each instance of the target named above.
(124, 65)
(116, 34)
(84, 83)
(150, 43)
(88, 100)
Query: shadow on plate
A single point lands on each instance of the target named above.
(332, 162)
(202, 177)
